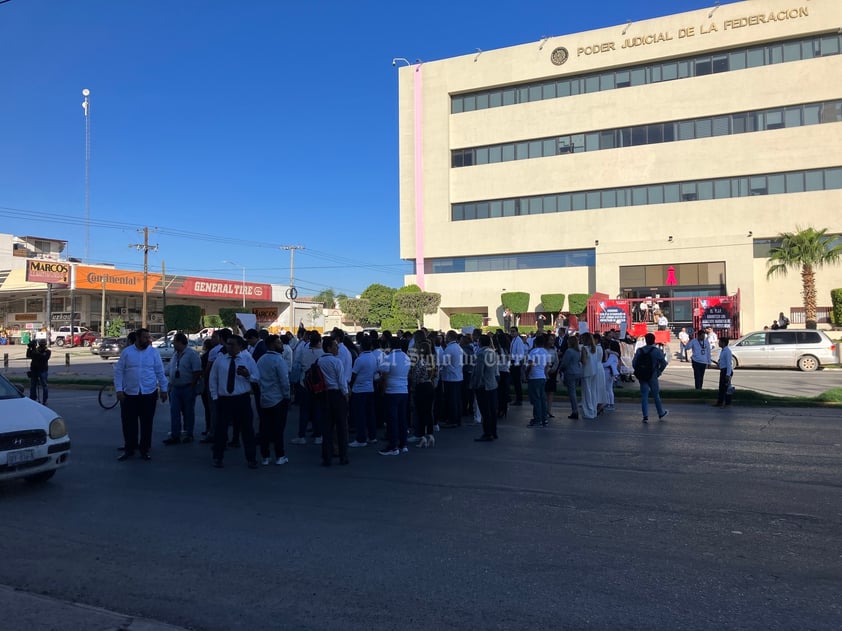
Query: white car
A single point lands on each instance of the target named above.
(165, 348)
(33, 439)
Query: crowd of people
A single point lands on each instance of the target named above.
(411, 385)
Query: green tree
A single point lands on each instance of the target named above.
(417, 304)
(329, 298)
(355, 309)
(807, 250)
(115, 327)
(380, 302)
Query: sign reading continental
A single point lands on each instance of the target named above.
(115, 280)
(40, 271)
(213, 288)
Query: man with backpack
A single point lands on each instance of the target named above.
(649, 362)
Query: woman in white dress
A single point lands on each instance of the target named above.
(593, 377)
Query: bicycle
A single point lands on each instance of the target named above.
(107, 396)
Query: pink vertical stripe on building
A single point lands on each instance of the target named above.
(419, 184)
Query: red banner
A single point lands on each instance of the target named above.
(214, 288)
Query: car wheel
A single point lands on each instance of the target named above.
(808, 363)
(60, 341)
(85, 343)
(40, 478)
(734, 363)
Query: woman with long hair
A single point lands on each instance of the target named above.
(503, 343)
(423, 377)
(593, 377)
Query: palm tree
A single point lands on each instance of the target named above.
(808, 249)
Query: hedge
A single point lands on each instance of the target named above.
(577, 303)
(552, 303)
(459, 320)
(836, 311)
(517, 301)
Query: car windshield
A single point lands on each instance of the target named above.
(7, 390)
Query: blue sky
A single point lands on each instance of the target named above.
(234, 127)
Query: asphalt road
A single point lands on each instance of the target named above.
(80, 363)
(711, 519)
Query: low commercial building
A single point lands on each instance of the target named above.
(653, 159)
(41, 289)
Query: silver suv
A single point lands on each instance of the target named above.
(784, 348)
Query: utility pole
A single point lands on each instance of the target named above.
(102, 310)
(292, 292)
(145, 247)
(164, 293)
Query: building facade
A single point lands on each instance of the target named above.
(656, 158)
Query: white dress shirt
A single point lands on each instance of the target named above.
(218, 382)
(139, 371)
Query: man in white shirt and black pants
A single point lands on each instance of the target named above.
(138, 379)
(230, 388)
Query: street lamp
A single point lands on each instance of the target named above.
(235, 264)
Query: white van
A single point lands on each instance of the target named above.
(807, 350)
(61, 335)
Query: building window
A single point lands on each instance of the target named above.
(510, 262)
(654, 133)
(694, 66)
(670, 192)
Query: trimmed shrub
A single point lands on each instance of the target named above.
(517, 301)
(229, 318)
(182, 317)
(459, 320)
(552, 303)
(836, 301)
(577, 303)
(212, 322)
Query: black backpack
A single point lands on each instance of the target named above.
(644, 366)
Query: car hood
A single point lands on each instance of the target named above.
(23, 414)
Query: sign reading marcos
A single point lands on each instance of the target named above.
(213, 288)
(40, 271)
(115, 280)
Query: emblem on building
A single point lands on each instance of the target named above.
(559, 55)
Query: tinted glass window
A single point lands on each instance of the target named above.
(781, 337)
(808, 337)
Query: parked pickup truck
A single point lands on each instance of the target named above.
(61, 335)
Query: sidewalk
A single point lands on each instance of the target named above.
(42, 613)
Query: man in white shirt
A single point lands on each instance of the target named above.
(726, 370)
(333, 402)
(138, 380)
(362, 396)
(230, 387)
(451, 377)
(684, 342)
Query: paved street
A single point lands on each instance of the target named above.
(713, 519)
(80, 363)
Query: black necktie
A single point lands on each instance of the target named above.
(232, 372)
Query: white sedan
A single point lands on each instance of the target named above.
(33, 438)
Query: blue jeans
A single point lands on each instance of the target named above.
(538, 399)
(38, 377)
(182, 401)
(396, 419)
(362, 416)
(653, 386)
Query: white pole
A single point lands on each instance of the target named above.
(86, 106)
